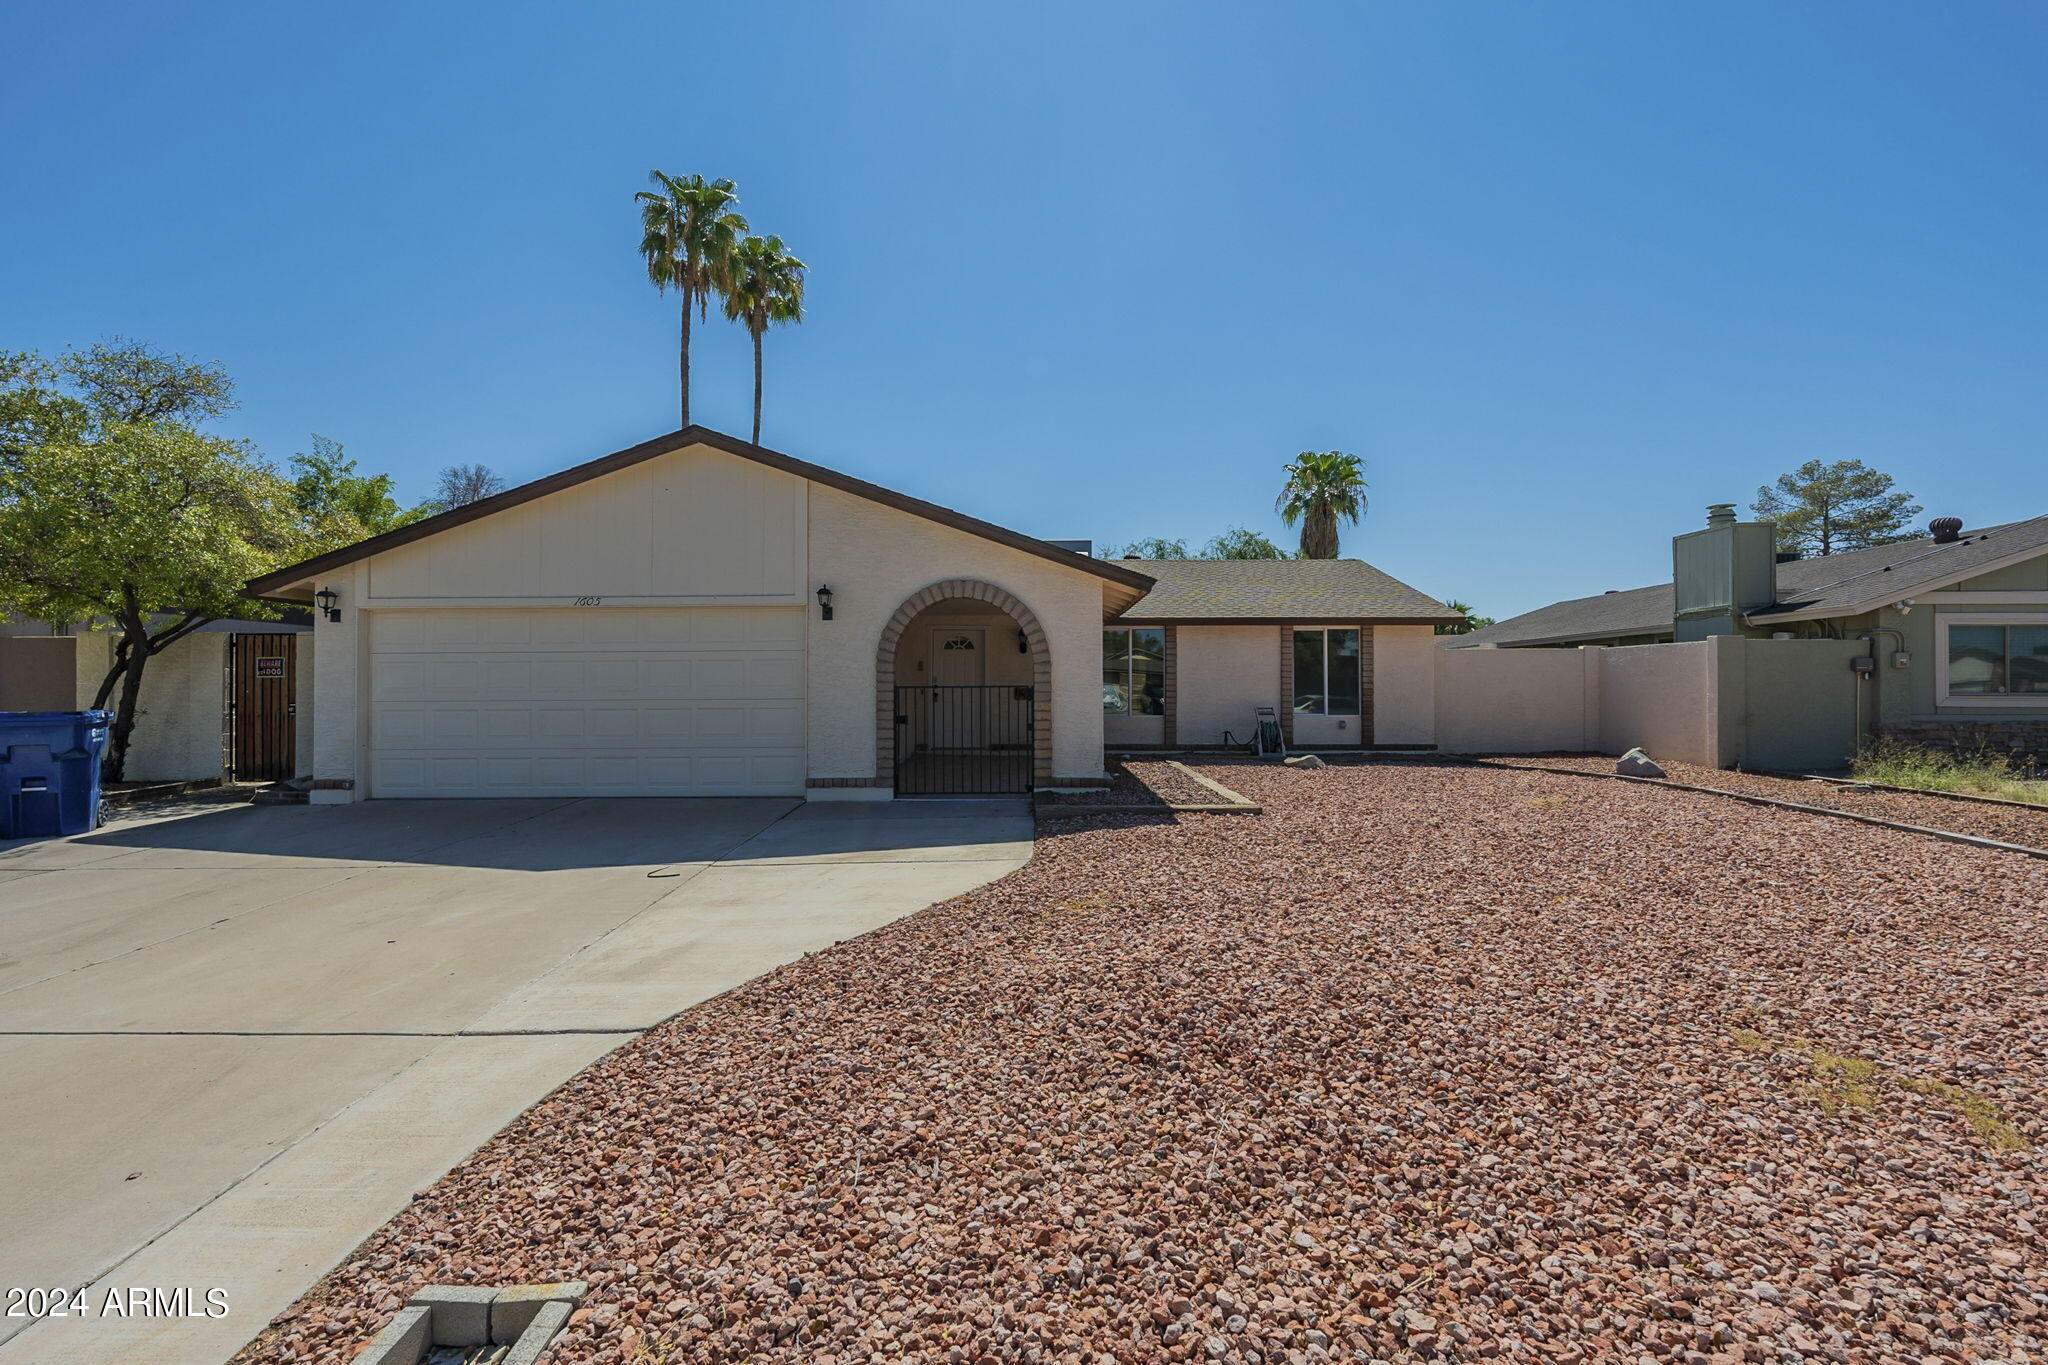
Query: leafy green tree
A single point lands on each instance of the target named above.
(83, 392)
(114, 510)
(326, 485)
(1821, 509)
(767, 289)
(1154, 547)
(1466, 626)
(1241, 543)
(1322, 489)
(688, 234)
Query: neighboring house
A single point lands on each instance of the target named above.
(208, 709)
(1956, 622)
(697, 615)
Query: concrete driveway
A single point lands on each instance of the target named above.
(232, 1044)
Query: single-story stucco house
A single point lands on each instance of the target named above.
(697, 615)
(1956, 621)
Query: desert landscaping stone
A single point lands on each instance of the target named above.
(1304, 761)
(1636, 763)
(1431, 1062)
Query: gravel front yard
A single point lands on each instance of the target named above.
(2009, 824)
(1141, 782)
(1426, 1062)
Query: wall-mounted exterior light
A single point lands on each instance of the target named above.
(1023, 641)
(328, 600)
(825, 601)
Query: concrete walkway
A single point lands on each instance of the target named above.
(233, 1044)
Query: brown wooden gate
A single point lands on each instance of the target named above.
(263, 673)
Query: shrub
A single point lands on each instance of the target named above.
(1981, 773)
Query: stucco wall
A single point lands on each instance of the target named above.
(179, 715)
(1801, 701)
(337, 693)
(1497, 701)
(1224, 674)
(1717, 702)
(875, 557)
(1655, 697)
(694, 527)
(1404, 685)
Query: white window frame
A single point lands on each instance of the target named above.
(1323, 690)
(1995, 700)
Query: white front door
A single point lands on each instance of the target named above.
(958, 659)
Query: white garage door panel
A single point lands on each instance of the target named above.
(688, 701)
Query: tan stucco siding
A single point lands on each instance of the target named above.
(1404, 684)
(695, 527)
(1225, 674)
(874, 557)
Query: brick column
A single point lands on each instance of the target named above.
(1287, 684)
(1365, 733)
(1172, 684)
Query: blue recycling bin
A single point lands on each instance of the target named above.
(50, 772)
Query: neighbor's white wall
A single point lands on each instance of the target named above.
(694, 527)
(875, 557)
(1403, 685)
(180, 714)
(1222, 675)
(1505, 701)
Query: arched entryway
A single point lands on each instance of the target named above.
(963, 693)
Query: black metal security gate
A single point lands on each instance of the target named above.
(964, 740)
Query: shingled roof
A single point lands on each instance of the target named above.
(1248, 591)
(1845, 584)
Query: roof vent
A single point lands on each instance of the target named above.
(1720, 514)
(1946, 530)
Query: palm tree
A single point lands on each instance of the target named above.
(1322, 489)
(767, 289)
(687, 234)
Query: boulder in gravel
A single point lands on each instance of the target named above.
(1305, 761)
(1636, 763)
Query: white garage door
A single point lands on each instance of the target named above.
(634, 701)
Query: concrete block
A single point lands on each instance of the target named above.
(517, 1305)
(539, 1334)
(461, 1313)
(402, 1342)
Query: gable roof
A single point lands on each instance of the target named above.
(271, 583)
(1630, 611)
(1271, 590)
(1845, 584)
(1851, 583)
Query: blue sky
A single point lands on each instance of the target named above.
(1561, 273)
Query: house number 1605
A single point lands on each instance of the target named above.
(590, 601)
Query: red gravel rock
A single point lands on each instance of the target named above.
(1429, 1062)
(2008, 824)
(1142, 782)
